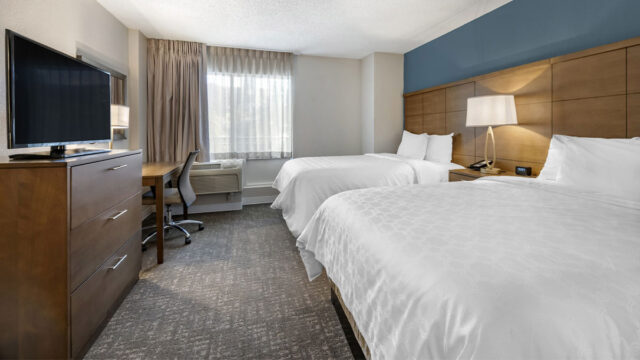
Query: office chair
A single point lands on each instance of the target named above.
(184, 195)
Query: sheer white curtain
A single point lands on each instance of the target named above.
(250, 106)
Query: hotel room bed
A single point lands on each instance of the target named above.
(500, 268)
(304, 183)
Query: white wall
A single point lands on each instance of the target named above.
(326, 113)
(382, 106)
(367, 104)
(137, 91)
(64, 25)
(388, 104)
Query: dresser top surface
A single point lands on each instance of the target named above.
(6, 163)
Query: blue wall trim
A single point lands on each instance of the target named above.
(517, 33)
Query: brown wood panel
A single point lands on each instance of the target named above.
(413, 124)
(33, 263)
(434, 124)
(464, 137)
(633, 69)
(529, 84)
(459, 177)
(433, 102)
(592, 117)
(92, 301)
(510, 165)
(98, 238)
(413, 105)
(464, 160)
(457, 96)
(119, 179)
(596, 75)
(528, 141)
(578, 94)
(633, 115)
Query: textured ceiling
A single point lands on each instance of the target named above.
(341, 28)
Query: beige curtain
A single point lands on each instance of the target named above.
(250, 103)
(117, 90)
(176, 100)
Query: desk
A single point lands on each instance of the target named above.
(158, 174)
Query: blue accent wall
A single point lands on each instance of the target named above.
(517, 33)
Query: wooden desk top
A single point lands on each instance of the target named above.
(155, 169)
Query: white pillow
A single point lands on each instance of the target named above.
(554, 158)
(439, 148)
(413, 146)
(608, 166)
(556, 153)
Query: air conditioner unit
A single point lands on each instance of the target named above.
(217, 177)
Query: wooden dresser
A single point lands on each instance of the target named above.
(69, 250)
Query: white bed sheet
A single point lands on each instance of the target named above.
(500, 268)
(304, 183)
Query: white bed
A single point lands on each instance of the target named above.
(304, 183)
(499, 268)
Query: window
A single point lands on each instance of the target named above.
(249, 111)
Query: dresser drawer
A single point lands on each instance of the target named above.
(98, 186)
(92, 302)
(95, 240)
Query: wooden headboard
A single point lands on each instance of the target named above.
(594, 93)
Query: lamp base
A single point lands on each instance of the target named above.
(491, 171)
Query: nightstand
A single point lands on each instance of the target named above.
(470, 175)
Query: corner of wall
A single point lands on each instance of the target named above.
(137, 90)
(382, 103)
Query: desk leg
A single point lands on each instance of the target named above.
(160, 219)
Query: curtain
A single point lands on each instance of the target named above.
(117, 90)
(249, 102)
(176, 100)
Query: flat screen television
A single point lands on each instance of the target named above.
(54, 100)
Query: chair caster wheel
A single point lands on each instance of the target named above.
(200, 227)
(144, 247)
(187, 241)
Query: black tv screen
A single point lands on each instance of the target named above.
(54, 99)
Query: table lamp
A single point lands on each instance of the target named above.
(493, 110)
(119, 119)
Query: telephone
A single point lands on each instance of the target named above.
(479, 165)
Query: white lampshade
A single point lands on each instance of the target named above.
(119, 116)
(491, 110)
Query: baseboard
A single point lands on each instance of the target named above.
(258, 194)
(251, 195)
(255, 200)
(208, 208)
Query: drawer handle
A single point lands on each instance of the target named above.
(118, 263)
(118, 167)
(115, 217)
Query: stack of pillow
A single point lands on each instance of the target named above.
(436, 148)
(607, 166)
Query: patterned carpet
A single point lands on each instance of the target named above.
(239, 291)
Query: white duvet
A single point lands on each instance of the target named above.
(304, 183)
(502, 268)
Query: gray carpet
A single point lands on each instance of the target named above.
(239, 291)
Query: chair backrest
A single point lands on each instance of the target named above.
(187, 194)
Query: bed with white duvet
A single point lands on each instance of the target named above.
(498, 268)
(304, 183)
